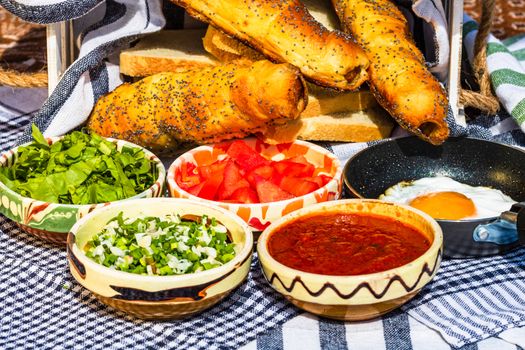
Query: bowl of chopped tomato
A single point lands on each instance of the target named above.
(160, 258)
(257, 181)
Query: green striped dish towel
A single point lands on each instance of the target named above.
(506, 65)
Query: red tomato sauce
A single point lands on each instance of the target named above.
(346, 244)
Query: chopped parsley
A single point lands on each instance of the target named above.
(168, 245)
(80, 168)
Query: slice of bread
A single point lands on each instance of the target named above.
(358, 126)
(170, 50)
(323, 101)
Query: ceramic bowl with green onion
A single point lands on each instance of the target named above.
(49, 215)
(160, 258)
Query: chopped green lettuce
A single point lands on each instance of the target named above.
(80, 168)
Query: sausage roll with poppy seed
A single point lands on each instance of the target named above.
(201, 105)
(284, 31)
(398, 77)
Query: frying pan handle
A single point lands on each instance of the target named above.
(519, 209)
(509, 228)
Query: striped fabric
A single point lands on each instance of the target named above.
(110, 26)
(473, 304)
(397, 331)
(506, 64)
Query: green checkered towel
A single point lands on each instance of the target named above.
(506, 65)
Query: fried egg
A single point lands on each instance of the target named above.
(447, 199)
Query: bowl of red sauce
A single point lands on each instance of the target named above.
(352, 259)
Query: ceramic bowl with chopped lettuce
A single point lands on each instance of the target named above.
(48, 184)
(160, 258)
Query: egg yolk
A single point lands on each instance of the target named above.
(445, 205)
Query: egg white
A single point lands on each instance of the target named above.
(489, 202)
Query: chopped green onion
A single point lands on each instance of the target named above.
(168, 245)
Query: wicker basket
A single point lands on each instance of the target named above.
(509, 16)
(22, 52)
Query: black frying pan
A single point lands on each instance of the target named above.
(471, 161)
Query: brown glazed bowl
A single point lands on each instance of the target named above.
(159, 297)
(356, 297)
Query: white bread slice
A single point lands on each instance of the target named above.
(357, 126)
(323, 101)
(173, 50)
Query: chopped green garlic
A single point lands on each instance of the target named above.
(168, 245)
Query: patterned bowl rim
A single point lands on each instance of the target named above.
(336, 180)
(264, 255)
(158, 163)
(239, 259)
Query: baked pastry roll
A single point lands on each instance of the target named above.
(398, 76)
(201, 105)
(284, 31)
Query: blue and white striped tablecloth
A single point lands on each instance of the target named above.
(44, 308)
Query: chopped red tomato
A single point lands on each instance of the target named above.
(297, 186)
(195, 189)
(270, 192)
(246, 157)
(213, 169)
(245, 195)
(264, 171)
(187, 176)
(289, 168)
(210, 187)
(326, 179)
(320, 180)
(233, 180)
(245, 176)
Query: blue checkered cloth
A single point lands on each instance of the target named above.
(44, 308)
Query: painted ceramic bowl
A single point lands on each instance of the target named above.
(260, 215)
(362, 296)
(52, 221)
(159, 297)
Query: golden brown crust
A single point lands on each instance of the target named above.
(398, 76)
(284, 31)
(321, 101)
(205, 105)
